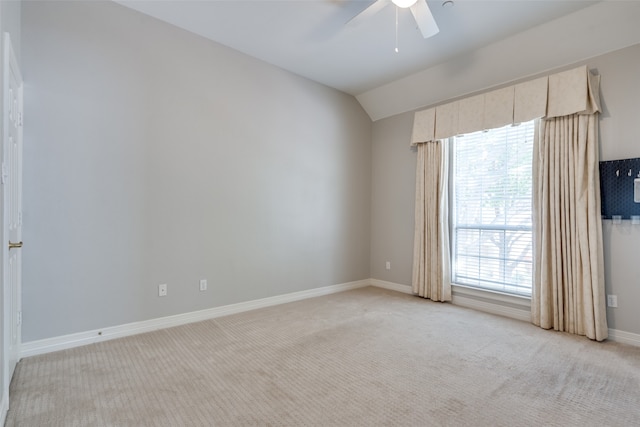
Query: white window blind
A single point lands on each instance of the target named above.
(492, 224)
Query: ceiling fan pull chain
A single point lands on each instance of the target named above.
(396, 29)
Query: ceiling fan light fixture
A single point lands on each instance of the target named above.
(404, 3)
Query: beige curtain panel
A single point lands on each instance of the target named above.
(431, 259)
(568, 289)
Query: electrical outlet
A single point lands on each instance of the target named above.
(612, 301)
(162, 290)
(388, 265)
(203, 284)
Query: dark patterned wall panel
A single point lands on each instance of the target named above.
(616, 187)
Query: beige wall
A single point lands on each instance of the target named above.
(393, 169)
(601, 27)
(392, 199)
(620, 139)
(155, 156)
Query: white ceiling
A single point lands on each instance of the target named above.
(310, 38)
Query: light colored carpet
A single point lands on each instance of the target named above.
(368, 357)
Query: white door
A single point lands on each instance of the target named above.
(12, 190)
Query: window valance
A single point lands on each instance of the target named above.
(569, 92)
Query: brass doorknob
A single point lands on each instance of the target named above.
(15, 245)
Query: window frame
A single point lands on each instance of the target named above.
(474, 290)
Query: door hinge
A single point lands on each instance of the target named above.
(5, 174)
(19, 318)
(20, 119)
(20, 218)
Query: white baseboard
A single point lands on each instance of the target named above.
(405, 289)
(463, 301)
(496, 308)
(64, 342)
(624, 337)
(493, 308)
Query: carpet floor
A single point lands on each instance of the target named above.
(367, 357)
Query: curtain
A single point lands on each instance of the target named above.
(568, 92)
(431, 263)
(568, 288)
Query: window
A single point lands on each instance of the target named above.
(491, 209)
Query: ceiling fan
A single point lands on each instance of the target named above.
(419, 9)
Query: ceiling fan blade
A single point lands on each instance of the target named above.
(371, 10)
(424, 19)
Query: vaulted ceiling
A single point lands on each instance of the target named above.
(314, 38)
